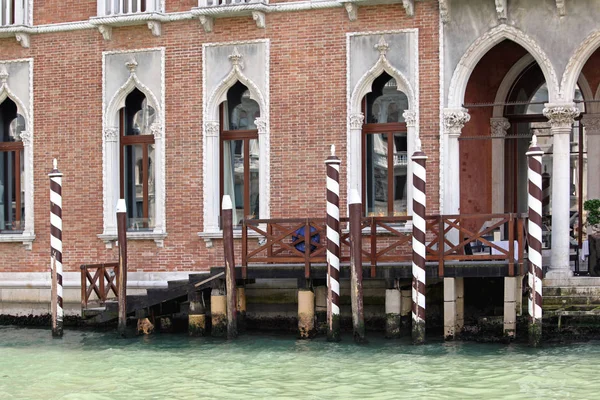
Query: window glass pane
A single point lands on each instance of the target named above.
(233, 176)
(143, 120)
(400, 174)
(133, 171)
(244, 113)
(254, 181)
(385, 104)
(15, 128)
(9, 220)
(376, 172)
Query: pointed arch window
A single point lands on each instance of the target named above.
(240, 153)
(385, 146)
(136, 161)
(12, 198)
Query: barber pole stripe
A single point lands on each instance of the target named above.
(535, 230)
(333, 233)
(56, 237)
(418, 242)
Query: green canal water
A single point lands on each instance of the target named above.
(98, 365)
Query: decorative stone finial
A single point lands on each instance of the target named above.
(417, 143)
(55, 164)
(3, 74)
(533, 141)
(333, 149)
(236, 58)
(382, 47)
(131, 65)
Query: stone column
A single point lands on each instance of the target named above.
(306, 313)
(211, 176)
(498, 126)
(454, 120)
(262, 125)
(561, 117)
(591, 122)
(393, 300)
(355, 152)
(111, 155)
(410, 117)
(159, 181)
(510, 306)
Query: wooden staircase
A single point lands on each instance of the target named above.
(170, 300)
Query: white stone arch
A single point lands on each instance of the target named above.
(211, 147)
(485, 43)
(576, 63)
(6, 93)
(118, 100)
(356, 119)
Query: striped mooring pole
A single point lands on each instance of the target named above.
(418, 244)
(534, 228)
(56, 266)
(333, 246)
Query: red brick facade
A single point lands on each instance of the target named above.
(307, 114)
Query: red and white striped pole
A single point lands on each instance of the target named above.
(534, 228)
(56, 266)
(418, 244)
(333, 246)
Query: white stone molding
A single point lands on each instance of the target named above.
(561, 116)
(576, 62)
(260, 19)
(409, 6)
(362, 87)
(106, 31)
(499, 126)
(27, 137)
(482, 45)
(591, 122)
(561, 7)
(111, 148)
(207, 23)
(356, 121)
(210, 133)
(502, 9)
(444, 10)
(352, 10)
(410, 117)
(455, 120)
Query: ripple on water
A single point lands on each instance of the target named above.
(95, 365)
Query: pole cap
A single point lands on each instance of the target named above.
(121, 206)
(354, 197)
(226, 204)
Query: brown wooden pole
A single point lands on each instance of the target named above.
(356, 270)
(122, 239)
(54, 297)
(229, 267)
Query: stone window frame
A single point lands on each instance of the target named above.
(28, 235)
(211, 141)
(111, 149)
(355, 95)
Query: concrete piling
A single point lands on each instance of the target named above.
(321, 308)
(454, 305)
(393, 301)
(241, 308)
(306, 313)
(196, 315)
(510, 307)
(218, 312)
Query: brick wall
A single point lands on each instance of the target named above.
(308, 114)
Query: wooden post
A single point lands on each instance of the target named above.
(356, 271)
(56, 259)
(534, 229)
(122, 239)
(229, 267)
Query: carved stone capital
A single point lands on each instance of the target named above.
(501, 9)
(111, 134)
(356, 120)
(260, 19)
(560, 6)
(207, 23)
(157, 131)
(591, 122)
(261, 125)
(455, 120)
(561, 115)
(445, 10)
(410, 117)
(352, 10)
(26, 138)
(211, 128)
(499, 126)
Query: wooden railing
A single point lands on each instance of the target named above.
(14, 12)
(385, 239)
(100, 279)
(126, 7)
